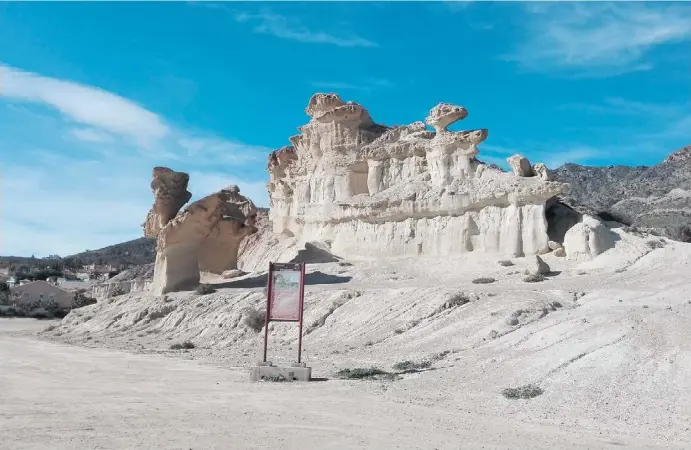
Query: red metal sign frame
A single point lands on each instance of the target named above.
(273, 267)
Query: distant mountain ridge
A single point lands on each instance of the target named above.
(655, 197)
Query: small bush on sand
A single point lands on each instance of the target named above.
(506, 263)
(371, 373)
(278, 378)
(522, 392)
(534, 278)
(116, 291)
(80, 300)
(456, 300)
(655, 244)
(204, 289)
(411, 366)
(254, 319)
(187, 345)
(484, 280)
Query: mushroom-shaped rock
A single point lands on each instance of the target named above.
(170, 194)
(587, 239)
(520, 166)
(323, 103)
(206, 236)
(444, 114)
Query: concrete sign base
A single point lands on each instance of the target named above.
(269, 372)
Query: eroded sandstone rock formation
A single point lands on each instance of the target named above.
(170, 194)
(205, 236)
(369, 190)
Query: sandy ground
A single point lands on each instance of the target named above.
(608, 340)
(60, 397)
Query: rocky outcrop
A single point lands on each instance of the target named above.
(587, 239)
(170, 194)
(366, 190)
(205, 236)
(657, 198)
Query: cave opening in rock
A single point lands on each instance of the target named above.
(560, 217)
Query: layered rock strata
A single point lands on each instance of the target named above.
(370, 191)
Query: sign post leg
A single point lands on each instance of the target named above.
(302, 307)
(268, 310)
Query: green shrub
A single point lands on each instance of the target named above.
(522, 392)
(371, 373)
(410, 366)
(187, 345)
(204, 289)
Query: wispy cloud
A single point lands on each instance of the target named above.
(84, 104)
(90, 135)
(622, 107)
(368, 85)
(284, 27)
(591, 39)
(87, 169)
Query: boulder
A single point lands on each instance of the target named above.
(587, 239)
(537, 266)
(553, 245)
(374, 191)
(559, 252)
(542, 172)
(520, 166)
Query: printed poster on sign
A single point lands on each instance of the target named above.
(285, 295)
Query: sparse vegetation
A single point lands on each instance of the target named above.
(506, 263)
(204, 289)
(116, 291)
(254, 319)
(522, 392)
(81, 299)
(456, 300)
(484, 280)
(187, 345)
(656, 243)
(371, 373)
(278, 378)
(411, 366)
(534, 278)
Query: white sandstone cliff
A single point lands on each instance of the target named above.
(370, 191)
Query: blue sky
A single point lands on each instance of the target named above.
(93, 95)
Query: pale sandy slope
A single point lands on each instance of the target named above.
(608, 341)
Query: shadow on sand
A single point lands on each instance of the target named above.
(312, 278)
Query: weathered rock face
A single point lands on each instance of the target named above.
(656, 197)
(587, 239)
(205, 236)
(170, 194)
(368, 190)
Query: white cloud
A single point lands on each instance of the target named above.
(205, 183)
(291, 29)
(90, 135)
(592, 39)
(84, 104)
(622, 107)
(54, 202)
(367, 84)
(220, 151)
